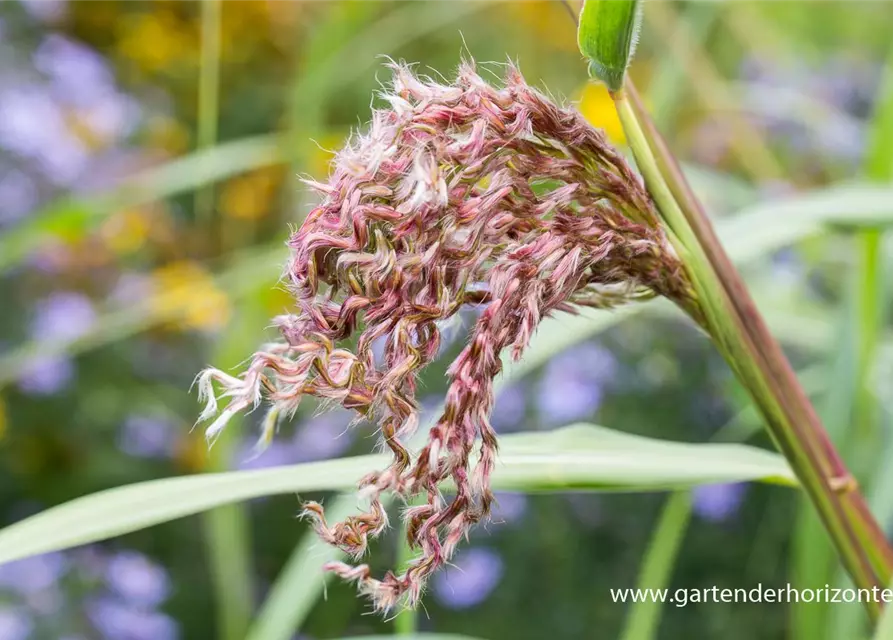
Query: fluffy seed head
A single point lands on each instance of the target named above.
(455, 194)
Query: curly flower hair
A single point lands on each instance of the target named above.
(456, 194)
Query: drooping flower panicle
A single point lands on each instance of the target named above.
(456, 194)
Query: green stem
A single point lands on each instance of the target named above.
(406, 623)
(733, 321)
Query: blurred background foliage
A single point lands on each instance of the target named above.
(150, 156)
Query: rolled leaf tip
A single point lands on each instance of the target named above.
(607, 34)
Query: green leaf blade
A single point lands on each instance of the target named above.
(576, 457)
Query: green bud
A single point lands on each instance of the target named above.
(607, 34)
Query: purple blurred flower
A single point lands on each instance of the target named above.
(18, 196)
(78, 71)
(147, 437)
(14, 624)
(82, 78)
(457, 327)
(471, 577)
(33, 126)
(572, 386)
(45, 10)
(717, 502)
(509, 408)
(131, 287)
(90, 562)
(324, 436)
(114, 115)
(788, 268)
(117, 621)
(46, 375)
(510, 506)
(137, 580)
(31, 576)
(277, 454)
(50, 257)
(64, 315)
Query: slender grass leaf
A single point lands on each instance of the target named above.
(575, 457)
(299, 583)
(644, 617)
(769, 226)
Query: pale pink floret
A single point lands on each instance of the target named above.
(458, 194)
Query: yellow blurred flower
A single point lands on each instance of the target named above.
(125, 232)
(322, 153)
(186, 294)
(547, 19)
(167, 134)
(191, 453)
(597, 107)
(249, 197)
(156, 41)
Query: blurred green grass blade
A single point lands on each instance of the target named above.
(323, 73)
(328, 73)
(299, 583)
(879, 159)
(884, 629)
(643, 618)
(667, 87)
(813, 559)
(75, 215)
(870, 305)
(316, 77)
(575, 457)
(208, 97)
(767, 226)
(227, 529)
